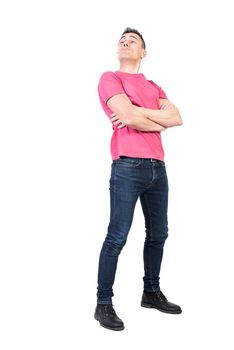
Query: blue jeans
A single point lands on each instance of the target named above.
(133, 178)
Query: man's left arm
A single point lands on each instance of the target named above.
(168, 115)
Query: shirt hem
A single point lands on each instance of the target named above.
(154, 156)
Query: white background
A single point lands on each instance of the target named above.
(55, 167)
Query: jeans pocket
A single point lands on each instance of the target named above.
(129, 162)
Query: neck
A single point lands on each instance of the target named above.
(129, 67)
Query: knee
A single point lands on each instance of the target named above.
(157, 239)
(117, 234)
(112, 248)
(162, 236)
(115, 240)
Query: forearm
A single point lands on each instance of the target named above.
(136, 121)
(146, 125)
(126, 114)
(166, 117)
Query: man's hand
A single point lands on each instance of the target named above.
(167, 106)
(115, 120)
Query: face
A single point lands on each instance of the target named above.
(130, 47)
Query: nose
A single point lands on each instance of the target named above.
(125, 43)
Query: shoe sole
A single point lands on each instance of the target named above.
(110, 328)
(150, 306)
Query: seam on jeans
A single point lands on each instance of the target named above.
(150, 224)
(113, 188)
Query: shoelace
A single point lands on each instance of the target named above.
(161, 296)
(109, 310)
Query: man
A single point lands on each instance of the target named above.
(139, 110)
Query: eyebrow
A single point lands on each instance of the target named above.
(132, 36)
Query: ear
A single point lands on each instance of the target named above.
(143, 53)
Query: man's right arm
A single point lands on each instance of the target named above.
(127, 114)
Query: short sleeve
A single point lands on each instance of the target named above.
(109, 85)
(161, 92)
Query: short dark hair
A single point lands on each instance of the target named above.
(132, 30)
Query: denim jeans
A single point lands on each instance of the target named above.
(133, 178)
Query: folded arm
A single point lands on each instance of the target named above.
(125, 113)
(168, 115)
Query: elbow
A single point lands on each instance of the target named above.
(177, 122)
(180, 121)
(177, 119)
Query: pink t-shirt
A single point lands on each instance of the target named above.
(142, 92)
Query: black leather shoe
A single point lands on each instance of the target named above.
(107, 317)
(157, 300)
